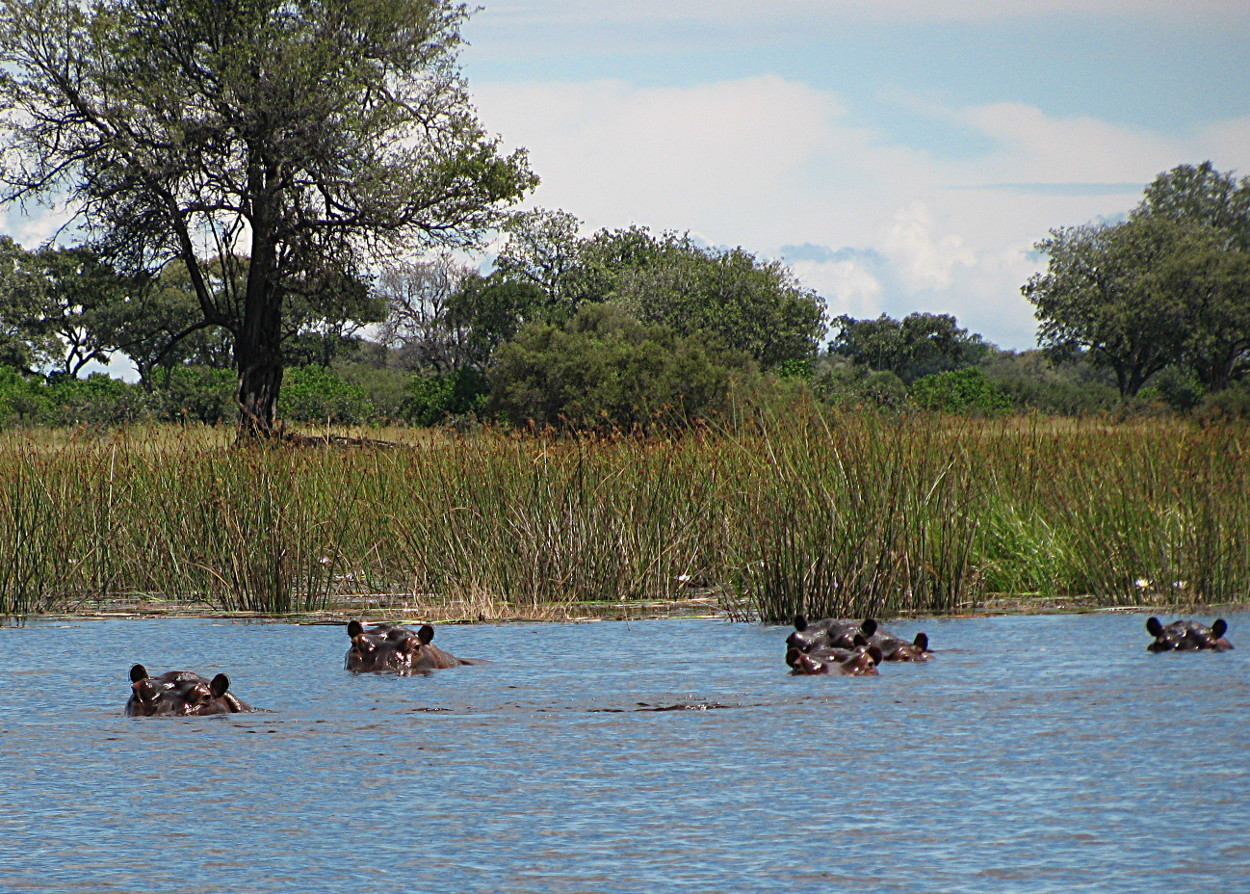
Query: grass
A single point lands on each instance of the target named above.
(825, 514)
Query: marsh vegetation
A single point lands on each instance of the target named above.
(816, 511)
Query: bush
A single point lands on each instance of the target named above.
(197, 394)
(21, 400)
(316, 394)
(96, 400)
(1176, 387)
(607, 371)
(431, 400)
(842, 383)
(959, 391)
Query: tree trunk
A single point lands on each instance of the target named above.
(258, 346)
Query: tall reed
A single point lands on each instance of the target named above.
(813, 512)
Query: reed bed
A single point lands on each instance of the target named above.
(815, 512)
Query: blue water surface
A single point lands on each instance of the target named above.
(1032, 754)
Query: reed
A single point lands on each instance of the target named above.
(808, 511)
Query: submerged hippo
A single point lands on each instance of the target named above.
(390, 647)
(894, 648)
(1187, 636)
(180, 693)
(827, 633)
(840, 633)
(858, 662)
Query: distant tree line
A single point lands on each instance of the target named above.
(630, 329)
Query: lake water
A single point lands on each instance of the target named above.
(1033, 754)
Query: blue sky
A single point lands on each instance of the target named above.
(900, 155)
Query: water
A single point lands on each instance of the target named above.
(1032, 754)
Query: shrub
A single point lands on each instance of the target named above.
(316, 394)
(197, 394)
(431, 400)
(606, 370)
(959, 391)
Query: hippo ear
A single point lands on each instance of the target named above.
(219, 685)
(354, 629)
(869, 627)
(875, 654)
(800, 623)
(921, 641)
(792, 657)
(1153, 626)
(1219, 628)
(426, 633)
(137, 673)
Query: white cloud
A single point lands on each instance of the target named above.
(766, 162)
(813, 13)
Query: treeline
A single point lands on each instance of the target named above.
(633, 330)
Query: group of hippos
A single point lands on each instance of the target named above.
(833, 646)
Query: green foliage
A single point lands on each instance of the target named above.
(728, 295)
(292, 138)
(854, 385)
(197, 394)
(432, 400)
(1168, 286)
(316, 394)
(920, 344)
(21, 399)
(1036, 380)
(608, 371)
(1177, 387)
(959, 391)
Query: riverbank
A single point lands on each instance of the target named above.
(828, 514)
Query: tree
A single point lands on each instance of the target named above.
(1103, 292)
(920, 344)
(1211, 272)
(81, 305)
(24, 344)
(606, 370)
(729, 295)
(284, 138)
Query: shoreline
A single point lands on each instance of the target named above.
(376, 609)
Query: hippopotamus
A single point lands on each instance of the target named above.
(827, 633)
(895, 648)
(1187, 636)
(180, 693)
(840, 633)
(390, 647)
(859, 662)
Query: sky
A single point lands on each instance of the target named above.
(899, 155)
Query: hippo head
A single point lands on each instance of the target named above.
(389, 647)
(916, 650)
(829, 633)
(179, 693)
(862, 661)
(1187, 636)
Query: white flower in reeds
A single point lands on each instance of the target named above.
(1142, 583)
(325, 560)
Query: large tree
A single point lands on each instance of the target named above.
(1168, 286)
(289, 141)
(920, 344)
(1103, 292)
(741, 301)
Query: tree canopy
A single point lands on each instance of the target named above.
(1170, 285)
(920, 344)
(288, 142)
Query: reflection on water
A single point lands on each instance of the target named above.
(1032, 754)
